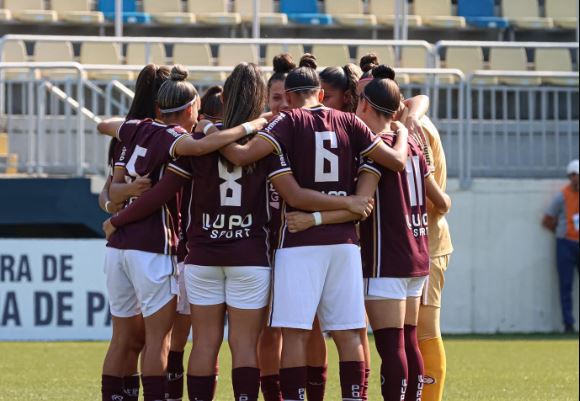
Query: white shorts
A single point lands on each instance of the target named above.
(182, 302)
(377, 289)
(139, 282)
(318, 280)
(242, 287)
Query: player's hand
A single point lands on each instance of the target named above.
(361, 205)
(299, 221)
(415, 128)
(108, 228)
(260, 123)
(268, 115)
(399, 128)
(140, 186)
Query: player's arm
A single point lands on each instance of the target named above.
(549, 223)
(417, 107)
(550, 220)
(306, 199)
(120, 191)
(366, 187)
(187, 146)
(394, 158)
(105, 202)
(111, 126)
(440, 200)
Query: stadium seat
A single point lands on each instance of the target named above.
(561, 11)
(137, 54)
(555, 60)
(30, 11)
(55, 52)
(438, 13)
(213, 12)
(14, 51)
(77, 11)
(414, 57)
(267, 15)
(304, 12)
(481, 14)
(130, 13)
(190, 54)
(331, 55)
(466, 59)
(525, 14)
(103, 53)
(273, 50)
(232, 55)
(386, 54)
(350, 13)
(7, 160)
(510, 59)
(384, 10)
(5, 15)
(168, 12)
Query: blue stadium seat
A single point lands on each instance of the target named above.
(304, 12)
(130, 13)
(480, 13)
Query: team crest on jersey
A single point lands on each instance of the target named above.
(174, 132)
(429, 380)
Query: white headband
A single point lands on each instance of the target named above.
(176, 109)
(377, 107)
(302, 88)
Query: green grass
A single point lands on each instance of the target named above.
(526, 368)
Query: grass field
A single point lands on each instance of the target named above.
(536, 368)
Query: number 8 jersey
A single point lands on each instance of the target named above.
(229, 209)
(324, 147)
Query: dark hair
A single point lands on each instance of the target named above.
(176, 91)
(383, 92)
(144, 103)
(283, 64)
(368, 63)
(304, 79)
(344, 79)
(212, 106)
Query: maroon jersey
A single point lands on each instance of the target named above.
(394, 240)
(184, 220)
(147, 148)
(324, 147)
(229, 210)
(276, 218)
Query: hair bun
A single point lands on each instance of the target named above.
(214, 90)
(179, 73)
(384, 72)
(308, 61)
(283, 63)
(368, 62)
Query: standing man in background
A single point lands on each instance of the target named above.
(562, 219)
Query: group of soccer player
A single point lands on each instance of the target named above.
(323, 215)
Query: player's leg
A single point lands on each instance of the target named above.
(317, 364)
(342, 312)
(269, 355)
(179, 336)
(298, 284)
(566, 259)
(132, 378)
(387, 319)
(364, 338)
(414, 357)
(429, 331)
(206, 293)
(247, 296)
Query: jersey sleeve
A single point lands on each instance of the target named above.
(182, 167)
(127, 130)
(277, 166)
(556, 206)
(279, 133)
(364, 139)
(171, 137)
(368, 165)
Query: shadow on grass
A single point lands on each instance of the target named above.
(513, 336)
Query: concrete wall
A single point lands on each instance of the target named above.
(502, 276)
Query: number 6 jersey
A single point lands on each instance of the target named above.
(324, 147)
(229, 209)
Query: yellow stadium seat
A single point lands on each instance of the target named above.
(511, 59)
(12, 164)
(137, 54)
(466, 59)
(386, 54)
(168, 12)
(8, 160)
(55, 52)
(14, 51)
(438, 13)
(213, 12)
(525, 14)
(267, 15)
(190, 54)
(384, 10)
(562, 12)
(30, 11)
(232, 55)
(5, 15)
(555, 60)
(3, 144)
(77, 11)
(331, 55)
(296, 51)
(350, 13)
(103, 53)
(414, 57)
